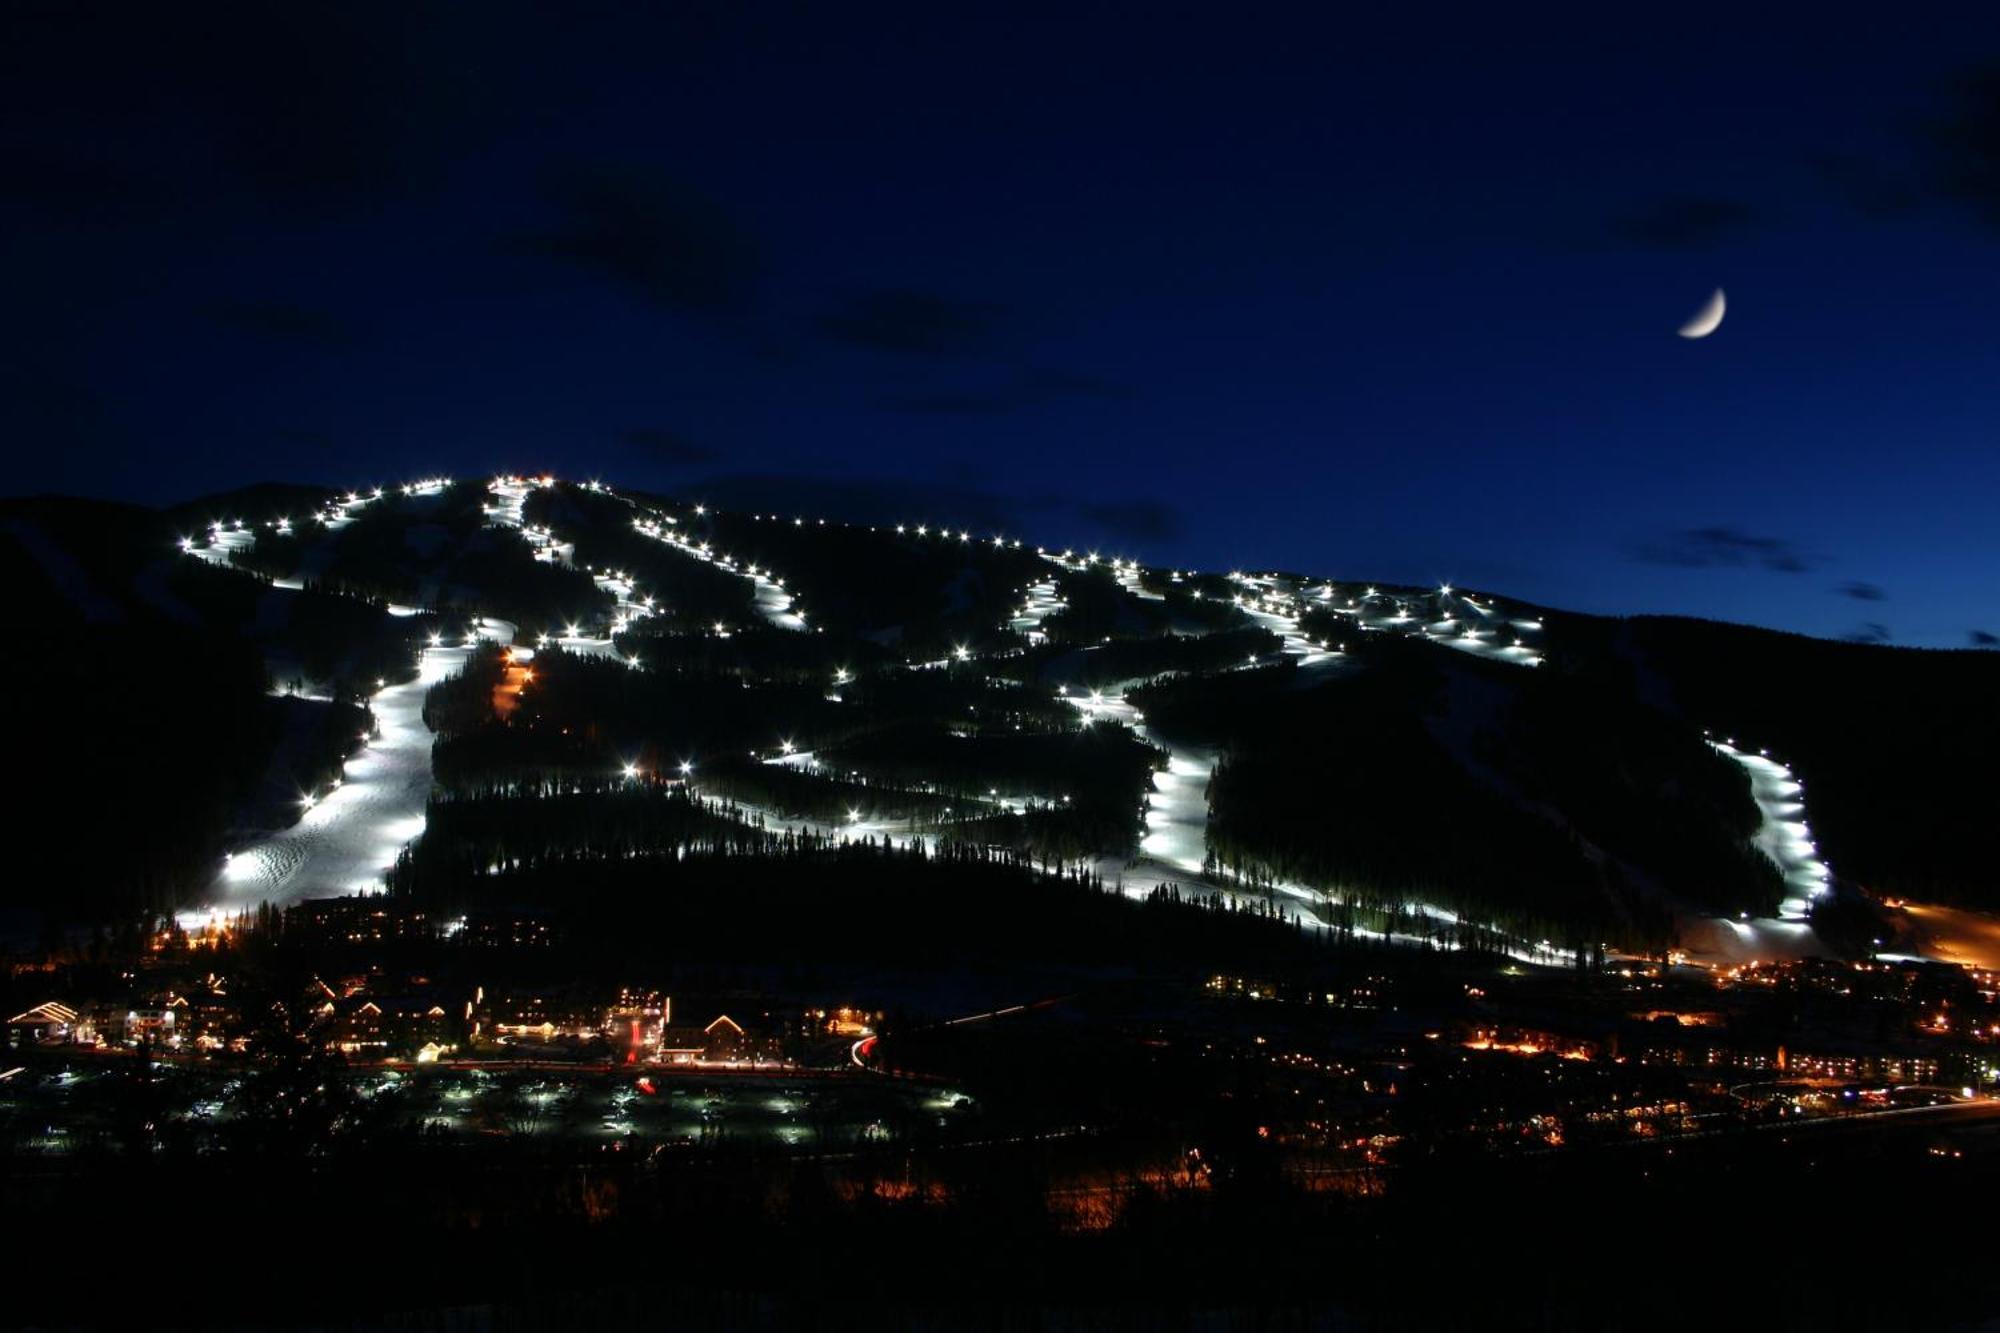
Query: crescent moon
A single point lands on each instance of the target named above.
(1707, 319)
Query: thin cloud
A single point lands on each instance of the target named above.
(281, 321)
(302, 439)
(657, 239)
(1724, 547)
(1029, 389)
(913, 323)
(1966, 145)
(1683, 222)
(1134, 520)
(665, 446)
(1862, 591)
(1868, 187)
(1871, 631)
(81, 190)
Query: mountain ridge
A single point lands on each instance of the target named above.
(784, 609)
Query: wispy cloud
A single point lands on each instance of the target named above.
(1683, 222)
(913, 323)
(1031, 388)
(1868, 187)
(1135, 520)
(1722, 546)
(651, 235)
(281, 321)
(669, 447)
(1966, 144)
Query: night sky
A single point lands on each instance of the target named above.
(1366, 296)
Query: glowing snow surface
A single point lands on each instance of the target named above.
(1041, 603)
(350, 836)
(1957, 935)
(1784, 837)
(1477, 628)
(347, 839)
(775, 604)
(1174, 847)
(1177, 808)
(1274, 615)
(768, 593)
(1127, 574)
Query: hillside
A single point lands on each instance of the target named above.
(561, 676)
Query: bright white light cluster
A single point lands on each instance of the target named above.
(1784, 835)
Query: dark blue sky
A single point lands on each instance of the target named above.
(1377, 297)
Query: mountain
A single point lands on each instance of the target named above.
(578, 694)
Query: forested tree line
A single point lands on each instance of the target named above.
(1421, 773)
(439, 552)
(1097, 607)
(472, 837)
(791, 793)
(691, 592)
(1101, 762)
(1181, 603)
(153, 738)
(1636, 783)
(336, 638)
(1136, 662)
(571, 730)
(772, 899)
(463, 701)
(753, 651)
(933, 592)
(1894, 745)
(1053, 834)
(592, 711)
